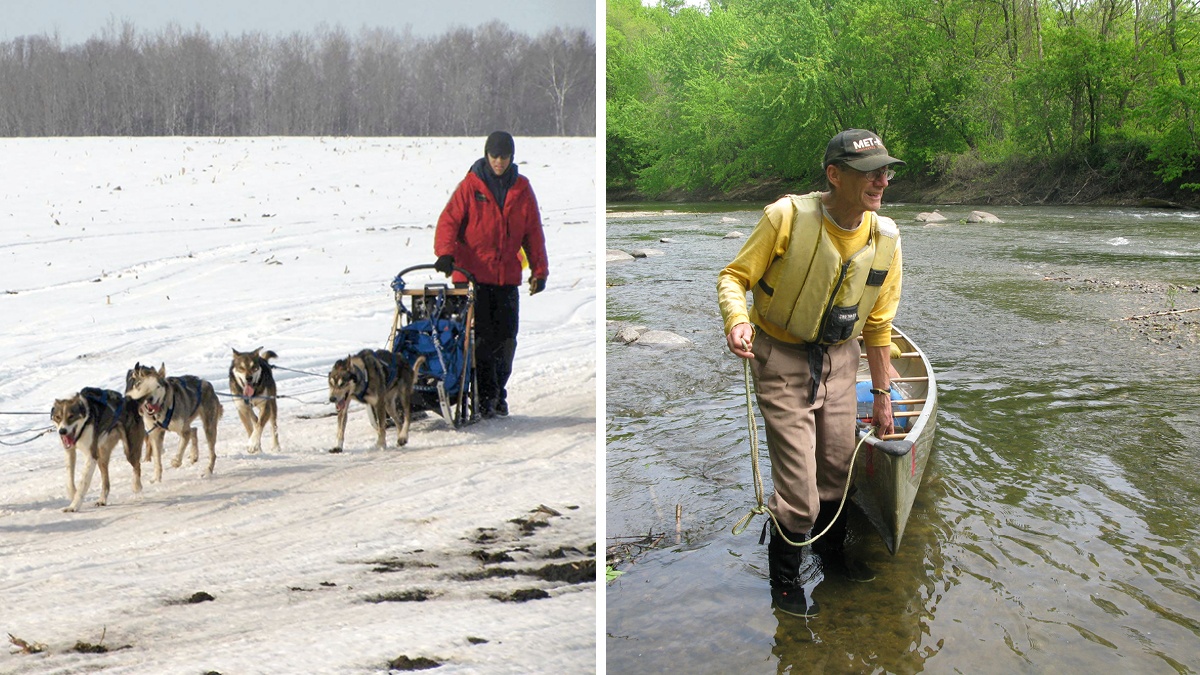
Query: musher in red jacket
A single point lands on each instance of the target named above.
(491, 216)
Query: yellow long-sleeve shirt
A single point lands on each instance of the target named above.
(769, 240)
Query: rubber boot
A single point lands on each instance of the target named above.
(795, 571)
(832, 546)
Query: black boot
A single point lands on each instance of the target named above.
(832, 546)
(795, 571)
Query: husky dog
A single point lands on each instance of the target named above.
(148, 453)
(382, 380)
(172, 404)
(96, 419)
(253, 383)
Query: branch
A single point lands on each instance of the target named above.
(25, 647)
(1174, 311)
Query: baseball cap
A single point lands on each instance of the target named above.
(499, 144)
(859, 149)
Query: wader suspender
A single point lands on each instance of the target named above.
(816, 364)
(817, 350)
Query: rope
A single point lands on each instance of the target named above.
(277, 396)
(293, 370)
(230, 394)
(31, 439)
(742, 524)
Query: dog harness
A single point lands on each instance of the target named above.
(360, 377)
(100, 397)
(166, 423)
(392, 370)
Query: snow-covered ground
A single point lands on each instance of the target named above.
(175, 251)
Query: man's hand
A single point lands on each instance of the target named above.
(444, 264)
(741, 339)
(879, 361)
(536, 285)
(881, 415)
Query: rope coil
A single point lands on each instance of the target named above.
(761, 507)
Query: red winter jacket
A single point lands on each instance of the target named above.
(485, 241)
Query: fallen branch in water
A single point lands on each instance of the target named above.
(1166, 313)
(625, 549)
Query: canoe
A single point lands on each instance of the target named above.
(888, 470)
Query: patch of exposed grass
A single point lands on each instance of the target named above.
(523, 595)
(581, 572)
(403, 662)
(414, 595)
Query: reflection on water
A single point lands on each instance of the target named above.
(1056, 527)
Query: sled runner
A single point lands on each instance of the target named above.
(436, 321)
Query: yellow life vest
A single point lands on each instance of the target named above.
(809, 291)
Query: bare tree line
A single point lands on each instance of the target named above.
(377, 83)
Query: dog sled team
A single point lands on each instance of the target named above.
(464, 334)
(94, 421)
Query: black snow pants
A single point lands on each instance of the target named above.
(496, 322)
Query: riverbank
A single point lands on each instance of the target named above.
(970, 181)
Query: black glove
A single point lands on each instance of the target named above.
(536, 285)
(444, 264)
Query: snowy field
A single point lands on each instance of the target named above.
(175, 251)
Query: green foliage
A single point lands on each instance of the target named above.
(704, 101)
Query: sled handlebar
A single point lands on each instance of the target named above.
(429, 266)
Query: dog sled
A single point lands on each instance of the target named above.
(436, 320)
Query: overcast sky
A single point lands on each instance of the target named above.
(77, 20)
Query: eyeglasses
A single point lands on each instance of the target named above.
(873, 176)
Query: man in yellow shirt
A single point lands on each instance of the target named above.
(822, 268)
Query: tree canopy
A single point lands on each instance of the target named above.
(714, 97)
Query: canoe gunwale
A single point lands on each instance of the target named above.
(888, 482)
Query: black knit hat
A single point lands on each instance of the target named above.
(859, 149)
(499, 144)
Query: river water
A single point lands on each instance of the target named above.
(1057, 526)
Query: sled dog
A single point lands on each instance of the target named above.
(148, 453)
(253, 383)
(173, 404)
(94, 420)
(382, 380)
